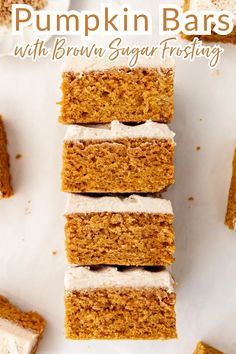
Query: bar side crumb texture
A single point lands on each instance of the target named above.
(110, 304)
(230, 218)
(20, 332)
(123, 231)
(205, 5)
(203, 348)
(118, 159)
(5, 178)
(100, 94)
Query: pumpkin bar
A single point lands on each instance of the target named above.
(20, 332)
(5, 178)
(136, 230)
(118, 158)
(230, 218)
(100, 91)
(217, 5)
(203, 348)
(125, 303)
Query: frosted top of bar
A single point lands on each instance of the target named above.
(16, 339)
(217, 5)
(77, 203)
(117, 130)
(84, 65)
(81, 278)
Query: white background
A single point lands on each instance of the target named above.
(31, 223)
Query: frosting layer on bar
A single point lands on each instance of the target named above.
(218, 5)
(117, 130)
(81, 65)
(211, 5)
(82, 278)
(15, 339)
(77, 203)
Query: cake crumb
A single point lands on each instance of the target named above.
(27, 208)
(122, 100)
(99, 175)
(198, 148)
(18, 156)
(54, 253)
(190, 199)
(216, 73)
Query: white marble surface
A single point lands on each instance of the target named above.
(31, 223)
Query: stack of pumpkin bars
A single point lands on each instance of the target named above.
(118, 155)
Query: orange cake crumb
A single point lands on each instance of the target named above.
(203, 348)
(18, 156)
(230, 217)
(5, 178)
(14, 321)
(118, 158)
(120, 238)
(124, 94)
(120, 166)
